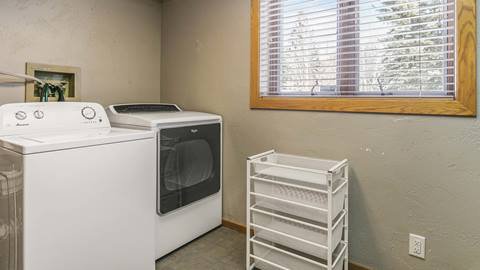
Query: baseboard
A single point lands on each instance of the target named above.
(234, 226)
(355, 266)
(242, 229)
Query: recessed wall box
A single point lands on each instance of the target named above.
(69, 77)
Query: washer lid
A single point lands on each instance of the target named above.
(44, 142)
(149, 118)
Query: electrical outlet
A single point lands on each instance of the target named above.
(416, 246)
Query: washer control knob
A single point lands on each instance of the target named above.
(21, 115)
(89, 113)
(38, 114)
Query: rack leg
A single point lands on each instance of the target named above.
(345, 230)
(247, 233)
(329, 223)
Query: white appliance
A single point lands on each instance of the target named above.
(189, 169)
(74, 192)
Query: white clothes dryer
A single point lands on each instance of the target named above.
(189, 169)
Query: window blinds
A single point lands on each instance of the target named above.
(379, 48)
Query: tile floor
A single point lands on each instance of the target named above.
(221, 249)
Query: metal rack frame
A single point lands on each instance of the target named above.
(332, 222)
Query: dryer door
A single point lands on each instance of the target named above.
(189, 168)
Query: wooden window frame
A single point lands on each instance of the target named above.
(464, 103)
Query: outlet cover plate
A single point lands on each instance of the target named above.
(416, 246)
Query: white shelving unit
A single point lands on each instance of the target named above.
(297, 213)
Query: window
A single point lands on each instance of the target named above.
(386, 56)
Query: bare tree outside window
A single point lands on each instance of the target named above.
(308, 54)
(413, 53)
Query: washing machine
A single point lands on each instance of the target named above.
(74, 192)
(189, 169)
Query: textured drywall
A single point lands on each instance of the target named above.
(408, 173)
(116, 43)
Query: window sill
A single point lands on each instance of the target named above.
(420, 106)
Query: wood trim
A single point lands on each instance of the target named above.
(234, 226)
(466, 33)
(254, 52)
(464, 104)
(355, 266)
(242, 229)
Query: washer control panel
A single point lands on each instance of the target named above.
(22, 118)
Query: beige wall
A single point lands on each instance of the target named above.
(116, 43)
(409, 173)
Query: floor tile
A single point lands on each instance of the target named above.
(220, 249)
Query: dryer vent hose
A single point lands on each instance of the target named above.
(22, 76)
(45, 88)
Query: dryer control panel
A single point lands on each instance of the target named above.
(24, 118)
(146, 107)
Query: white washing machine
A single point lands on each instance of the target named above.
(74, 192)
(189, 169)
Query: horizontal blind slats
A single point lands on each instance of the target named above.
(270, 17)
(278, 20)
(264, 73)
(357, 47)
(419, 76)
(426, 39)
(355, 55)
(367, 90)
(265, 35)
(348, 85)
(334, 35)
(307, 91)
(369, 64)
(432, 23)
(419, 16)
(306, 4)
(365, 94)
(366, 45)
